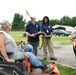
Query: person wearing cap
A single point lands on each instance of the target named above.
(46, 28)
(8, 45)
(32, 29)
(73, 39)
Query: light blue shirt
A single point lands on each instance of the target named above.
(74, 33)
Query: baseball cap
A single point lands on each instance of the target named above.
(33, 17)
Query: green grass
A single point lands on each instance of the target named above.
(62, 69)
(18, 35)
(63, 40)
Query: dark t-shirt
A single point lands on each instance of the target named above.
(33, 29)
(47, 29)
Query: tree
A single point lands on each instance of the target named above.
(65, 20)
(40, 22)
(73, 22)
(54, 22)
(18, 23)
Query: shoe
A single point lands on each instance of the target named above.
(44, 58)
(53, 59)
(48, 69)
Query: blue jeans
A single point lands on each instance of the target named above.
(31, 58)
(30, 54)
(27, 48)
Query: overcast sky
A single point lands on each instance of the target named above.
(54, 9)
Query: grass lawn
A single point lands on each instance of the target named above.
(63, 40)
(17, 35)
(62, 69)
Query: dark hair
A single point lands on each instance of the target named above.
(44, 18)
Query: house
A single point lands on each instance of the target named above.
(63, 27)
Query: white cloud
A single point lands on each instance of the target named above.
(55, 9)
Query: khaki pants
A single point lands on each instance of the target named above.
(48, 43)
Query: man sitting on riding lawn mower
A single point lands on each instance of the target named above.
(8, 45)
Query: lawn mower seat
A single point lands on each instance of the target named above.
(7, 68)
(2, 58)
(9, 53)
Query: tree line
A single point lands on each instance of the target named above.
(19, 23)
(65, 20)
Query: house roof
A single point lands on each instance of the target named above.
(68, 28)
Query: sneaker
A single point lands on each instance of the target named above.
(48, 69)
(53, 59)
(44, 58)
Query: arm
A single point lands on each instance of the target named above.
(28, 33)
(51, 31)
(31, 35)
(48, 36)
(42, 30)
(20, 41)
(51, 34)
(2, 48)
(72, 38)
(39, 30)
(27, 30)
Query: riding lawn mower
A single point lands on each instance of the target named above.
(20, 67)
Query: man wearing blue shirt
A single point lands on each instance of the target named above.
(32, 29)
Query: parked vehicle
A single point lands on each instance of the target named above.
(60, 32)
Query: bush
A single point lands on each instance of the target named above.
(24, 35)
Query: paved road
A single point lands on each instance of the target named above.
(64, 55)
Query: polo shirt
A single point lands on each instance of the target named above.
(47, 29)
(33, 29)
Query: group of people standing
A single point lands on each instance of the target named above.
(33, 30)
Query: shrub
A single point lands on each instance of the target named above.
(24, 34)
